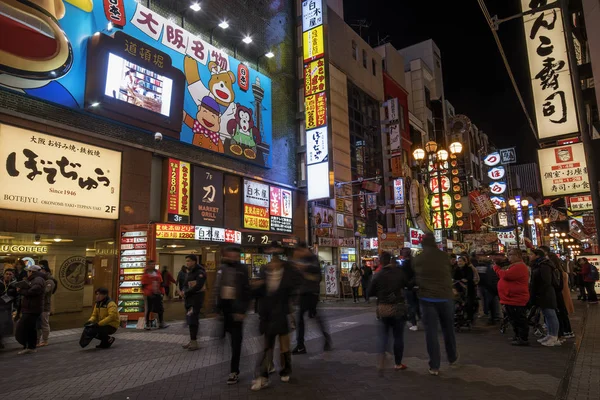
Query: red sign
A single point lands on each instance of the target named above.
(178, 191)
(243, 76)
(433, 184)
(114, 10)
(482, 204)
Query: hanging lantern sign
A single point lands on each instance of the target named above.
(498, 187)
(433, 184)
(446, 199)
(491, 160)
(497, 173)
(448, 220)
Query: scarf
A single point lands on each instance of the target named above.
(200, 129)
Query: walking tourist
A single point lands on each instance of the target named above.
(354, 279)
(543, 295)
(49, 290)
(195, 291)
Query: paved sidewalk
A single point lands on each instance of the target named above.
(585, 379)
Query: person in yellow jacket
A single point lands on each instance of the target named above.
(105, 318)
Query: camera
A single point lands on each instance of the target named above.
(158, 137)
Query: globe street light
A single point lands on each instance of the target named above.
(455, 148)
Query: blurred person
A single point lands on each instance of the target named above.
(570, 270)
(589, 277)
(8, 296)
(32, 292)
(354, 279)
(195, 290)
(308, 264)
(232, 298)
(410, 293)
(49, 290)
(388, 286)
(167, 280)
(277, 284)
(105, 318)
(20, 271)
(578, 279)
(564, 303)
(366, 274)
(543, 295)
(152, 286)
(464, 273)
(181, 276)
(433, 277)
(488, 285)
(513, 288)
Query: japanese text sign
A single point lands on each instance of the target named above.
(496, 173)
(550, 71)
(208, 197)
(178, 191)
(508, 156)
(312, 14)
(498, 187)
(313, 44)
(314, 77)
(114, 10)
(49, 174)
(256, 205)
(580, 203)
(315, 107)
(491, 160)
(399, 192)
(563, 170)
(316, 146)
(281, 210)
(415, 237)
(175, 231)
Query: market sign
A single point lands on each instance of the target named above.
(581, 203)
(563, 170)
(175, 231)
(54, 175)
(178, 191)
(399, 192)
(550, 71)
(208, 197)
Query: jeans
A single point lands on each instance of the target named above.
(44, 331)
(413, 306)
(518, 319)
(104, 332)
(308, 303)
(591, 292)
(443, 312)
(397, 326)
(551, 321)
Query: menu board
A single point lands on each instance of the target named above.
(135, 249)
(267, 207)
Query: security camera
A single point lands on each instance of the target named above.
(158, 137)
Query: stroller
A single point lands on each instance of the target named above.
(461, 319)
(534, 314)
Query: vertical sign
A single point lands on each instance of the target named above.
(281, 210)
(256, 205)
(399, 192)
(563, 170)
(178, 191)
(519, 210)
(550, 71)
(208, 197)
(316, 93)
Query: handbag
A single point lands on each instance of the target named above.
(392, 310)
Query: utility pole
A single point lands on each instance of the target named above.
(581, 114)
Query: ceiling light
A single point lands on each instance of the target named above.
(37, 242)
(6, 237)
(94, 104)
(90, 249)
(270, 54)
(224, 25)
(247, 40)
(57, 240)
(110, 242)
(195, 6)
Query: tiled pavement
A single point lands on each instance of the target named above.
(585, 379)
(151, 365)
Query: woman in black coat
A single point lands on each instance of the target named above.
(543, 295)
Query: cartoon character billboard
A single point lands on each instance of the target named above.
(227, 105)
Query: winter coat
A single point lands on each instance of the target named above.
(49, 289)
(32, 296)
(354, 278)
(195, 287)
(6, 321)
(586, 270)
(543, 294)
(409, 273)
(513, 286)
(273, 307)
(152, 284)
(566, 294)
(387, 285)
(366, 274)
(467, 274)
(105, 313)
(232, 288)
(181, 276)
(311, 272)
(433, 272)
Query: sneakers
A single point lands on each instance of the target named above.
(299, 350)
(520, 342)
(27, 351)
(569, 335)
(455, 363)
(400, 367)
(193, 345)
(42, 344)
(414, 328)
(234, 378)
(434, 372)
(285, 378)
(551, 342)
(259, 384)
(542, 340)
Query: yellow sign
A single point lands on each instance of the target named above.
(23, 249)
(314, 77)
(313, 44)
(173, 231)
(54, 175)
(133, 271)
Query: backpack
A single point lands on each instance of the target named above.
(594, 273)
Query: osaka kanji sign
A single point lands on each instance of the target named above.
(508, 156)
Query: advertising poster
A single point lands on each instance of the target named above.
(49, 174)
(399, 192)
(281, 210)
(314, 77)
(175, 231)
(256, 205)
(580, 203)
(331, 281)
(208, 197)
(227, 105)
(178, 191)
(314, 44)
(563, 170)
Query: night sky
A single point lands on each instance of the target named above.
(475, 80)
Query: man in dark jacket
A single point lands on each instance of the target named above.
(181, 276)
(308, 264)
(366, 274)
(414, 311)
(543, 295)
(32, 304)
(387, 286)
(8, 296)
(232, 297)
(195, 284)
(488, 285)
(433, 276)
(49, 290)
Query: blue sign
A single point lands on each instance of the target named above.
(519, 210)
(227, 105)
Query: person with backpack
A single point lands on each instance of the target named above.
(543, 295)
(589, 274)
(44, 320)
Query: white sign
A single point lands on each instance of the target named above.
(503, 218)
(49, 174)
(498, 187)
(256, 193)
(508, 156)
(563, 170)
(497, 200)
(399, 192)
(509, 237)
(340, 220)
(580, 203)
(497, 173)
(394, 137)
(438, 235)
(316, 145)
(312, 14)
(331, 281)
(491, 160)
(318, 181)
(218, 234)
(203, 233)
(550, 73)
(392, 109)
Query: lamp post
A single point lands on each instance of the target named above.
(438, 159)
